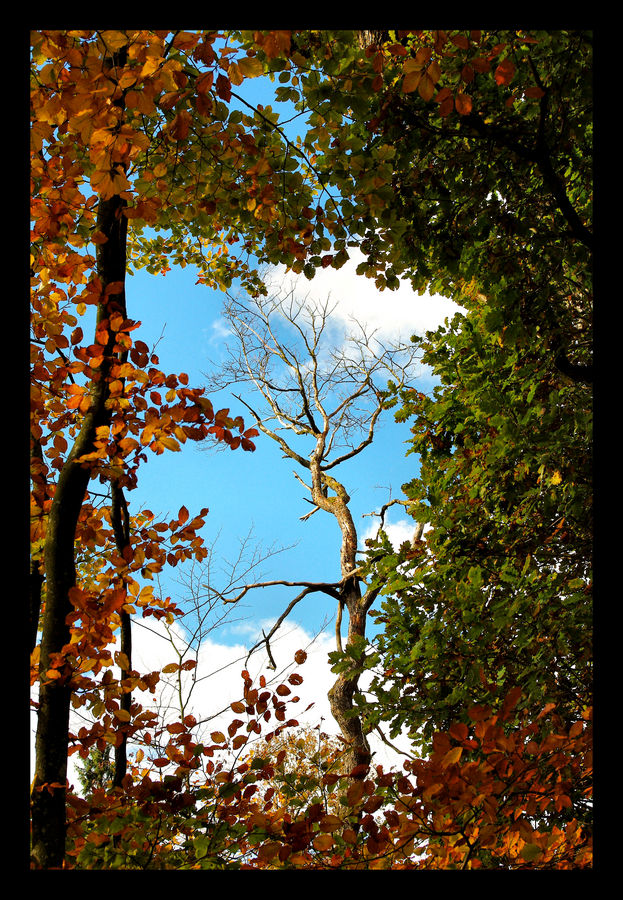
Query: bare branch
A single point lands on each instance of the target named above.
(266, 637)
(338, 626)
(310, 586)
(308, 386)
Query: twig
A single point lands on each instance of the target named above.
(393, 747)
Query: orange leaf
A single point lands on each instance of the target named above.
(354, 793)
(323, 842)
(431, 790)
(546, 709)
(478, 713)
(180, 126)
(458, 731)
(330, 822)
(463, 104)
(426, 87)
(373, 803)
(411, 81)
(504, 72)
(576, 729)
(268, 851)
(511, 699)
(233, 727)
(460, 40)
(176, 728)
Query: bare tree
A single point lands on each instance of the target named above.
(319, 398)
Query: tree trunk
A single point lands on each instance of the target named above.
(48, 797)
(121, 526)
(357, 756)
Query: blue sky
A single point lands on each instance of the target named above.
(258, 490)
(256, 496)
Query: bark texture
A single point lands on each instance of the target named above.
(357, 756)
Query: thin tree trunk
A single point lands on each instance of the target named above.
(48, 797)
(36, 566)
(121, 527)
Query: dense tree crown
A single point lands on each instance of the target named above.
(460, 161)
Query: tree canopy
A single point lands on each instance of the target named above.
(458, 160)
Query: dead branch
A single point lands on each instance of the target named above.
(334, 398)
(321, 586)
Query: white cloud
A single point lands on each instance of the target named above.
(218, 683)
(397, 532)
(396, 314)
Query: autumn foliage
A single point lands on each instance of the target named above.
(140, 158)
(481, 799)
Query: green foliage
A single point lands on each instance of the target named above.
(502, 596)
(492, 206)
(97, 770)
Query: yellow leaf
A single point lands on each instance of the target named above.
(149, 67)
(451, 757)
(169, 442)
(171, 667)
(251, 67)
(87, 664)
(556, 477)
(114, 40)
(123, 715)
(218, 737)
